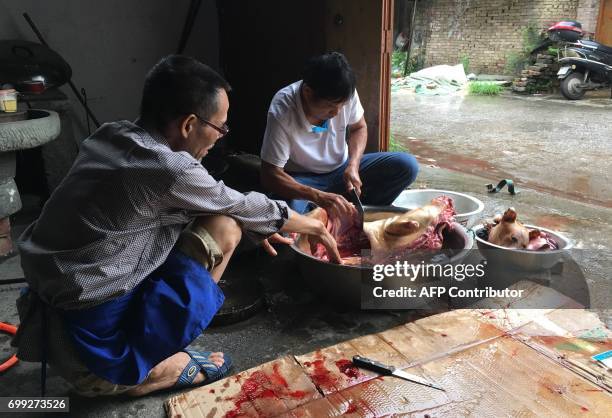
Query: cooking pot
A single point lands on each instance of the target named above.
(343, 283)
(22, 62)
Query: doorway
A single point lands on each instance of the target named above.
(263, 46)
(604, 25)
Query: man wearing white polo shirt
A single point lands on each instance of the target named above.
(314, 142)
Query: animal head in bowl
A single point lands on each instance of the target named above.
(507, 231)
(420, 228)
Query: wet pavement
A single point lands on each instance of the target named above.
(544, 142)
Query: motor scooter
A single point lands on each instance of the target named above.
(584, 65)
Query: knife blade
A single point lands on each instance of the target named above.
(387, 370)
(355, 200)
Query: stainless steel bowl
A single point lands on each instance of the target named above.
(468, 208)
(524, 260)
(343, 282)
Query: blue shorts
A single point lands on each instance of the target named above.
(123, 339)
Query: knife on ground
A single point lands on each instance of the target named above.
(366, 363)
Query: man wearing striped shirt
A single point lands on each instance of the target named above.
(118, 285)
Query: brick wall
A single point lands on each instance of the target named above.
(486, 31)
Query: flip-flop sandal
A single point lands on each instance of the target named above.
(501, 185)
(199, 362)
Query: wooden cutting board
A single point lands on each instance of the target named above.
(492, 362)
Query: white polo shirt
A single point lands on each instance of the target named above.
(290, 143)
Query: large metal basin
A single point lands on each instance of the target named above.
(468, 207)
(342, 283)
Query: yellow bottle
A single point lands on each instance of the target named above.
(8, 100)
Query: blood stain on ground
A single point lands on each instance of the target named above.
(260, 385)
(352, 408)
(347, 368)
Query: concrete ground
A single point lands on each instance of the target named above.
(450, 134)
(545, 142)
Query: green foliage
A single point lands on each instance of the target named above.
(395, 146)
(484, 88)
(465, 60)
(415, 64)
(517, 61)
(532, 37)
(539, 87)
(398, 61)
(553, 51)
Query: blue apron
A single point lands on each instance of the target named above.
(123, 339)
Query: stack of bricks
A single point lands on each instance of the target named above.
(539, 77)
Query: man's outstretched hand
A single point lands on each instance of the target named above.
(313, 226)
(328, 241)
(276, 239)
(336, 205)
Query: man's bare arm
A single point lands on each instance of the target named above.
(357, 140)
(275, 180)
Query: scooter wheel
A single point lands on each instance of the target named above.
(570, 86)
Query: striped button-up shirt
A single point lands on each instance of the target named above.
(120, 210)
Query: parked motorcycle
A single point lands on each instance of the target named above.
(585, 65)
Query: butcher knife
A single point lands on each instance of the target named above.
(366, 363)
(354, 199)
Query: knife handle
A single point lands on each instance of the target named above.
(366, 363)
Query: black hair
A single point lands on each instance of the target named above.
(179, 85)
(330, 77)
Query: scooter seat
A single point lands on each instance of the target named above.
(600, 47)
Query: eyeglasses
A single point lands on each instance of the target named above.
(223, 129)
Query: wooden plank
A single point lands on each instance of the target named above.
(571, 338)
(492, 362)
(331, 371)
(438, 334)
(269, 389)
(213, 400)
(331, 406)
(500, 378)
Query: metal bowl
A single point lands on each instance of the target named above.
(468, 208)
(523, 260)
(342, 283)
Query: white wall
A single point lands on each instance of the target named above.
(110, 44)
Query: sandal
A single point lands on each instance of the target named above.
(199, 362)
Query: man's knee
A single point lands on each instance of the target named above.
(406, 166)
(232, 234)
(223, 229)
